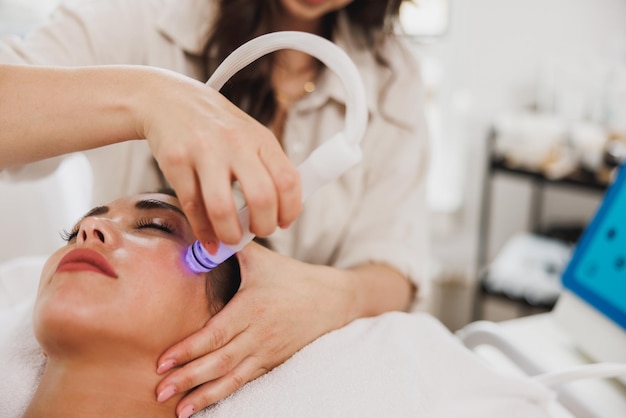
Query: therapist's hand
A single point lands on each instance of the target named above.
(202, 142)
(282, 305)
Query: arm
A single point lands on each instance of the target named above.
(200, 140)
(379, 289)
(48, 111)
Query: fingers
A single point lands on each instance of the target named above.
(271, 186)
(203, 144)
(286, 179)
(217, 197)
(270, 183)
(218, 332)
(211, 392)
(260, 195)
(186, 184)
(210, 367)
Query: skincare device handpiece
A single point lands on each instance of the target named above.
(327, 162)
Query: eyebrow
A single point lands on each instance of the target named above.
(98, 210)
(158, 204)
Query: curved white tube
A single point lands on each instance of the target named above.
(330, 160)
(327, 52)
(586, 371)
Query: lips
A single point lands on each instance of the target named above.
(83, 259)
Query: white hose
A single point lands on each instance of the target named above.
(322, 49)
(586, 371)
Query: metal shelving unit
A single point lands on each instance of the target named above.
(579, 180)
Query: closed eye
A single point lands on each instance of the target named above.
(142, 223)
(159, 224)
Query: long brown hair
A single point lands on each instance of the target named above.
(238, 21)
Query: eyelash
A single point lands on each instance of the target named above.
(142, 223)
(164, 225)
(67, 236)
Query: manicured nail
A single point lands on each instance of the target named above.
(166, 366)
(187, 412)
(166, 393)
(210, 246)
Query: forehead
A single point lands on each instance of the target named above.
(132, 201)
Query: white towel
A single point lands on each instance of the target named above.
(395, 365)
(21, 360)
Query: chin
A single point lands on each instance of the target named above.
(71, 326)
(304, 10)
(64, 326)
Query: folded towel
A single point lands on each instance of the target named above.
(394, 365)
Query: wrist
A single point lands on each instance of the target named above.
(343, 294)
(145, 82)
(376, 289)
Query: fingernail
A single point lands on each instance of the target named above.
(166, 393)
(187, 412)
(166, 366)
(210, 246)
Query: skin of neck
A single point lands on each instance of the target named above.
(116, 386)
(291, 61)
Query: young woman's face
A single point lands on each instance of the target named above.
(307, 10)
(122, 278)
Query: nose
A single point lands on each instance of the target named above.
(94, 229)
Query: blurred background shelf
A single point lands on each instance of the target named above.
(529, 265)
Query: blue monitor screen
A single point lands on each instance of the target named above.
(597, 270)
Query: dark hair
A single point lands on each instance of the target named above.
(222, 283)
(238, 21)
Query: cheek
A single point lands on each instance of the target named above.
(45, 312)
(167, 301)
(49, 268)
(154, 303)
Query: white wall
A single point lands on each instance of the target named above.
(35, 212)
(18, 16)
(491, 54)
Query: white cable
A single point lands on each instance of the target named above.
(324, 50)
(586, 371)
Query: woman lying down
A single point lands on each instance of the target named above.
(118, 295)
